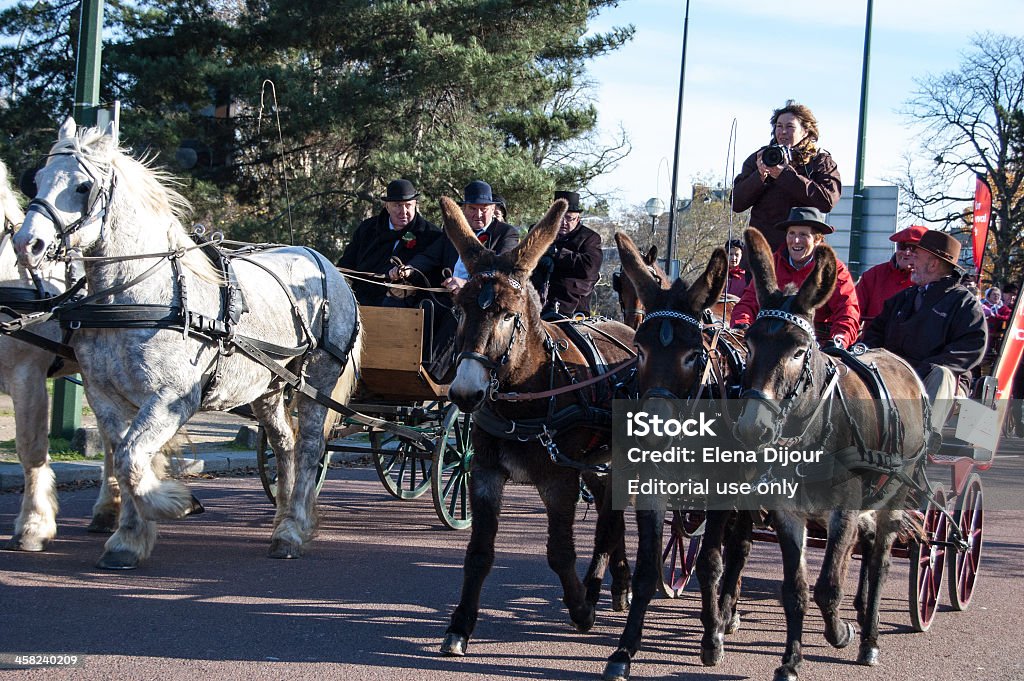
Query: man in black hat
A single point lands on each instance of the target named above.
(396, 235)
(441, 263)
(937, 325)
(565, 277)
(478, 206)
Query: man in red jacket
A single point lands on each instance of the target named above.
(837, 321)
(886, 279)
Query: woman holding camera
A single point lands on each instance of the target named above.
(791, 171)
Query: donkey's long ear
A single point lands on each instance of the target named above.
(462, 237)
(762, 266)
(67, 129)
(652, 255)
(637, 269)
(821, 282)
(530, 250)
(708, 287)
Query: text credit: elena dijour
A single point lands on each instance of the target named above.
(685, 456)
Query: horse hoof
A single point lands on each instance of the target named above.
(454, 645)
(586, 622)
(195, 509)
(104, 523)
(118, 560)
(616, 671)
(283, 549)
(869, 655)
(851, 631)
(621, 601)
(711, 656)
(734, 624)
(785, 674)
(20, 542)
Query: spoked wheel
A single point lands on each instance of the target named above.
(681, 547)
(453, 454)
(963, 565)
(403, 468)
(266, 464)
(927, 563)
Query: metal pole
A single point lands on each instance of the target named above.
(87, 72)
(856, 219)
(671, 252)
(66, 417)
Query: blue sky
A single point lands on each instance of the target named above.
(747, 57)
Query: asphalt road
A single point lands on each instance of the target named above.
(372, 599)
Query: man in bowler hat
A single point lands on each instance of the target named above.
(565, 277)
(937, 325)
(395, 235)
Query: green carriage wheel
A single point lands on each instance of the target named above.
(453, 455)
(401, 467)
(266, 464)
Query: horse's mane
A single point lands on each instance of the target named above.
(9, 206)
(150, 188)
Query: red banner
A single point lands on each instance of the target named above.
(982, 213)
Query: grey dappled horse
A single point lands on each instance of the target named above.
(23, 370)
(145, 383)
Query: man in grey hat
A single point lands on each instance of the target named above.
(937, 325)
(565, 277)
(837, 322)
(395, 235)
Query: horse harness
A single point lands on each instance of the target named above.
(716, 348)
(17, 301)
(889, 468)
(594, 385)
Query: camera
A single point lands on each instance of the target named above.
(775, 155)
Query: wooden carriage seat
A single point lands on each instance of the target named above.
(392, 361)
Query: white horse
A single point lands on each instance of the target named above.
(23, 371)
(144, 383)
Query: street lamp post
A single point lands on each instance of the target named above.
(655, 208)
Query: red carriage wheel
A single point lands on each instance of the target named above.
(680, 551)
(963, 565)
(927, 562)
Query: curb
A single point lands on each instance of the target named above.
(214, 461)
(12, 476)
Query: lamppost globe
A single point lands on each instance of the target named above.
(655, 207)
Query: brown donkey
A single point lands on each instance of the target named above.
(683, 356)
(632, 307)
(867, 415)
(541, 396)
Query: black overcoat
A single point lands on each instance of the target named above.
(373, 245)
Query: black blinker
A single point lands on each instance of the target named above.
(486, 297)
(665, 335)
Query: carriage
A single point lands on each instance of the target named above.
(948, 542)
(396, 387)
